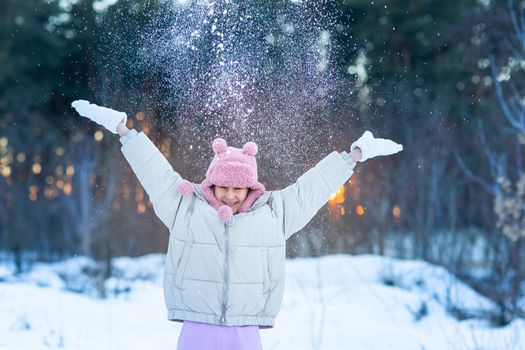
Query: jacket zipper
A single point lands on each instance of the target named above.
(226, 276)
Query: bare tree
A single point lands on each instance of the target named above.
(506, 182)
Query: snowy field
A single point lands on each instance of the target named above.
(333, 302)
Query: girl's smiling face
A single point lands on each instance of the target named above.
(231, 196)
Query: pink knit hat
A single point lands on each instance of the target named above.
(231, 167)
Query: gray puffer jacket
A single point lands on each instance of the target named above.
(228, 273)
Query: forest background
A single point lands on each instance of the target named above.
(443, 78)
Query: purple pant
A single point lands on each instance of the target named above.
(203, 336)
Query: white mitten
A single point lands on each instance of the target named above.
(106, 117)
(372, 147)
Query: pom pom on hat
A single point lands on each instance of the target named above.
(219, 145)
(185, 188)
(250, 148)
(225, 212)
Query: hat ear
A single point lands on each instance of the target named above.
(219, 145)
(250, 148)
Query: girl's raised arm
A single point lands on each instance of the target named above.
(153, 170)
(122, 129)
(298, 203)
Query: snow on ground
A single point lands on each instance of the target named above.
(333, 302)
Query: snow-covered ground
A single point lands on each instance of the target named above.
(332, 302)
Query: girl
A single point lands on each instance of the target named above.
(224, 270)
